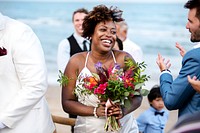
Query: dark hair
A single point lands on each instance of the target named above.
(100, 13)
(81, 10)
(194, 4)
(154, 93)
(119, 43)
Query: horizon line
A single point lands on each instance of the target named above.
(90, 1)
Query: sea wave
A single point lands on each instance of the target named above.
(43, 21)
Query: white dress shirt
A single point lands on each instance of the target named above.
(63, 54)
(197, 45)
(133, 49)
(2, 125)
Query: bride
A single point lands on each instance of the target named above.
(99, 27)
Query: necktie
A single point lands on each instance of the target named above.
(159, 113)
(84, 45)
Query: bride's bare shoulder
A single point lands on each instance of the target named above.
(78, 59)
(120, 55)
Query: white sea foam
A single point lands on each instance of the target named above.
(42, 21)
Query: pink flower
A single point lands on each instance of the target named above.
(101, 89)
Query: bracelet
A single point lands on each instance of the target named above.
(95, 112)
(166, 70)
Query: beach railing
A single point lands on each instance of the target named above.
(63, 121)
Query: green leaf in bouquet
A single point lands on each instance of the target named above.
(116, 101)
(126, 94)
(63, 80)
(139, 86)
(96, 76)
(122, 101)
(127, 103)
(144, 92)
(136, 93)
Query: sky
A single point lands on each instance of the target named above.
(142, 1)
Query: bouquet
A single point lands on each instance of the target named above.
(115, 85)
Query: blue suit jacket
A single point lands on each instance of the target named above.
(179, 94)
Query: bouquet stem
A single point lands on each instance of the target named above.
(112, 124)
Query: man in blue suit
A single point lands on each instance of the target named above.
(178, 93)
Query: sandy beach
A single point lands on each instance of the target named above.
(53, 97)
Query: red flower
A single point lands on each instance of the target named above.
(128, 82)
(101, 89)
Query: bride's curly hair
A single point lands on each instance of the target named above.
(100, 13)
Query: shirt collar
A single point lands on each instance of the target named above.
(153, 109)
(197, 45)
(78, 38)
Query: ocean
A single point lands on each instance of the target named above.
(154, 27)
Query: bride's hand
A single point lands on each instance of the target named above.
(116, 111)
(100, 111)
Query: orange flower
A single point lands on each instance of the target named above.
(90, 82)
(93, 81)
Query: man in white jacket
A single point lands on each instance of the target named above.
(23, 80)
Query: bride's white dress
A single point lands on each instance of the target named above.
(91, 124)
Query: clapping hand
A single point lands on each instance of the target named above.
(194, 82)
(181, 49)
(162, 64)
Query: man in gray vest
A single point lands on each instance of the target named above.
(75, 43)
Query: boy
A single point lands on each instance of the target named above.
(155, 118)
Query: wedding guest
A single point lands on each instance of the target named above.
(99, 26)
(75, 43)
(178, 93)
(128, 45)
(23, 80)
(155, 118)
